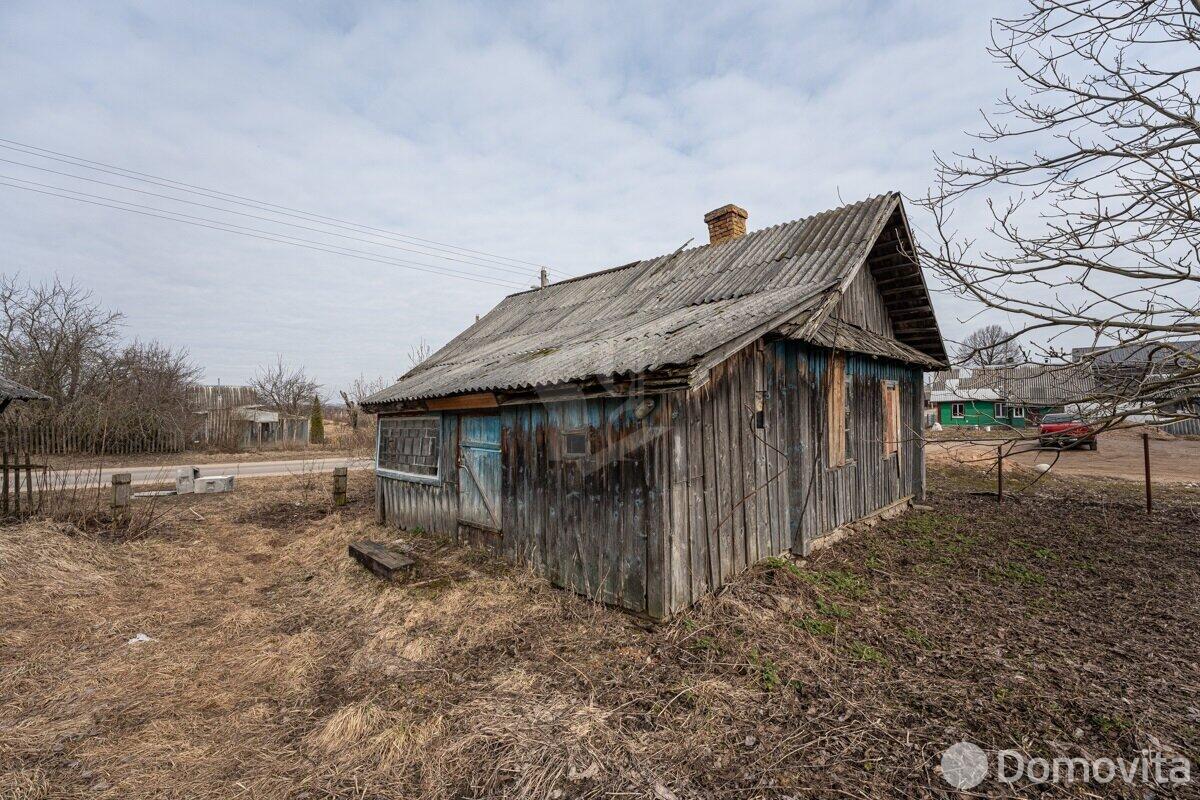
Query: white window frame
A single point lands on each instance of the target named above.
(999, 410)
(400, 475)
(958, 411)
(1018, 412)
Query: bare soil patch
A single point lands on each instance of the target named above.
(1060, 622)
(1172, 460)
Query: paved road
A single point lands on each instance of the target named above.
(166, 474)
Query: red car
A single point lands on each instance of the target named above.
(1066, 430)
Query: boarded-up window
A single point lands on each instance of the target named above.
(837, 404)
(891, 418)
(409, 445)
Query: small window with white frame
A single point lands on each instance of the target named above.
(408, 447)
(1018, 412)
(957, 410)
(1001, 411)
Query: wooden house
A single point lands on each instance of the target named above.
(1007, 395)
(642, 434)
(232, 417)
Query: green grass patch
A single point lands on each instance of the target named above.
(1111, 723)
(767, 670)
(916, 637)
(1015, 572)
(817, 627)
(867, 653)
(779, 563)
(838, 580)
(832, 609)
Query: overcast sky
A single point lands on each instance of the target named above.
(581, 136)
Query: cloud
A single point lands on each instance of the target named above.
(578, 135)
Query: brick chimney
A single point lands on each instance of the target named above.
(726, 224)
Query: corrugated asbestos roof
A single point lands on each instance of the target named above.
(835, 335)
(1030, 384)
(665, 311)
(11, 390)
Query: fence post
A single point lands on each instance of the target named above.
(1146, 459)
(1000, 473)
(29, 480)
(121, 491)
(339, 486)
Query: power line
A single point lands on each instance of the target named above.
(522, 272)
(270, 237)
(274, 208)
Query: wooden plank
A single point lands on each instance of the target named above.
(737, 491)
(720, 404)
(746, 448)
(664, 526)
(762, 471)
(382, 560)
(698, 557)
(711, 479)
(640, 468)
(615, 501)
(462, 402)
(679, 588)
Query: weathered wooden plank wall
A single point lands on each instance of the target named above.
(729, 499)
(863, 305)
(587, 523)
(664, 510)
(826, 498)
(740, 493)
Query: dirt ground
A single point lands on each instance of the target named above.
(1063, 622)
(1119, 455)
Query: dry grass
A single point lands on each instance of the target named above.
(280, 669)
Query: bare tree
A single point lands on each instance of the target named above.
(145, 389)
(56, 337)
(1089, 173)
(283, 388)
(419, 352)
(988, 346)
(361, 389)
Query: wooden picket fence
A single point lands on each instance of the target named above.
(57, 437)
(21, 481)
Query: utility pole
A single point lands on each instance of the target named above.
(544, 278)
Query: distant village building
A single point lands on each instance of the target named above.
(1012, 395)
(641, 435)
(233, 417)
(1136, 370)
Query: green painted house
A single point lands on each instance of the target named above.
(1013, 395)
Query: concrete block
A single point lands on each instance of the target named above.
(214, 484)
(185, 480)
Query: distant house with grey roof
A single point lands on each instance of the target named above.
(1012, 395)
(642, 434)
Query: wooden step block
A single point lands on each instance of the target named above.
(384, 561)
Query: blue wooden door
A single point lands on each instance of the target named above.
(479, 470)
